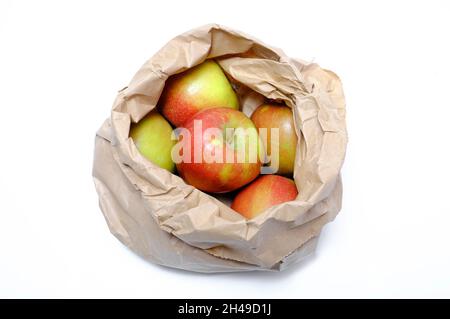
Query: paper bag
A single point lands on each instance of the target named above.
(168, 222)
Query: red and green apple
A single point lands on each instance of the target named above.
(221, 150)
(263, 193)
(273, 116)
(201, 87)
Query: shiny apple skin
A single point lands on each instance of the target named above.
(152, 137)
(221, 177)
(263, 193)
(278, 116)
(201, 87)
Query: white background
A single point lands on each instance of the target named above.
(61, 64)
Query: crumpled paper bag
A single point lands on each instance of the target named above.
(168, 222)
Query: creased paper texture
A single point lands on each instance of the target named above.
(161, 218)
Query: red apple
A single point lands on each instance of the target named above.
(201, 87)
(278, 116)
(263, 193)
(221, 150)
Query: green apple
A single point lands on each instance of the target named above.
(152, 137)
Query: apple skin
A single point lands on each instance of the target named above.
(152, 137)
(221, 177)
(278, 116)
(263, 193)
(201, 87)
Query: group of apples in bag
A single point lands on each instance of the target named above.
(198, 131)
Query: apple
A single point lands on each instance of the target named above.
(201, 87)
(221, 150)
(152, 135)
(263, 193)
(278, 116)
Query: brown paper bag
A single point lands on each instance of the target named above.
(161, 218)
